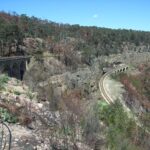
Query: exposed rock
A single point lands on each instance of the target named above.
(39, 71)
(33, 45)
(38, 133)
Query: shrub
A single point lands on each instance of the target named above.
(3, 80)
(17, 93)
(121, 129)
(6, 116)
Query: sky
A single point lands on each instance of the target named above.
(117, 14)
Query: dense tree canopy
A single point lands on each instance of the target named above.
(100, 41)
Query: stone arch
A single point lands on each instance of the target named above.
(15, 69)
(124, 69)
(2, 67)
(7, 68)
(22, 68)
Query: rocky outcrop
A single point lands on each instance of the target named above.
(33, 45)
(44, 132)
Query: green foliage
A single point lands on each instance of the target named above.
(17, 93)
(66, 130)
(137, 83)
(87, 52)
(102, 105)
(30, 94)
(145, 119)
(3, 80)
(6, 116)
(120, 127)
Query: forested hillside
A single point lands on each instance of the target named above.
(92, 41)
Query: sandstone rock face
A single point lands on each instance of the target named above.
(33, 45)
(28, 46)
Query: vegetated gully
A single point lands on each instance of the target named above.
(108, 98)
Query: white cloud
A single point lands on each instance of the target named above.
(95, 16)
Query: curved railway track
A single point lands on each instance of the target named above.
(102, 88)
(103, 91)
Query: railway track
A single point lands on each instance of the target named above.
(103, 91)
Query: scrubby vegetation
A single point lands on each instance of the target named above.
(137, 83)
(137, 96)
(3, 80)
(122, 131)
(67, 111)
(7, 116)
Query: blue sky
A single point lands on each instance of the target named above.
(129, 14)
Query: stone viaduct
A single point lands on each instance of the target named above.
(121, 69)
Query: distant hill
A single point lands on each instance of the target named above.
(91, 41)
